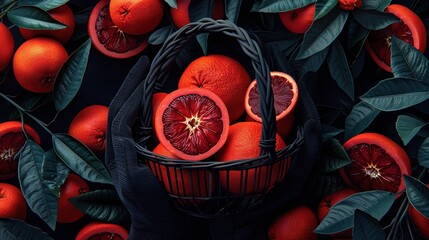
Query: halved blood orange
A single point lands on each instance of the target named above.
(409, 29)
(285, 92)
(378, 163)
(102, 231)
(108, 38)
(12, 138)
(192, 123)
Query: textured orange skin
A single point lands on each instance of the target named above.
(330, 200)
(284, 120)
(417, 28)
(12, 202)
(243, 143)
(180, 15)
(299, 20)
(391, 148)
(63, 14)
(95, 228)
(136, 17)
(420, 222)
(7, 46)
(16, 127)
(224, 76)
(295, 224)
(89, 126)
(72, 187)
(36, 63)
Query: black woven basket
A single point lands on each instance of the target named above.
(203, 188)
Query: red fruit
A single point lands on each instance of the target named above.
(420, 222)
(108, 38)
(73, 186)
(12, 138)
(299, 20)
(180, 15)
(378, 163)
(296, 224)
(102, 231)
(192, 123)
(12, 202)
(329, 201)
(7, 46)
(349, 5)
(243, 143)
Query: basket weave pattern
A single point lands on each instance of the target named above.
(197, 187)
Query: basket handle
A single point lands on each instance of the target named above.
(172, 46)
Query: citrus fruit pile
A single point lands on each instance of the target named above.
(204, 119)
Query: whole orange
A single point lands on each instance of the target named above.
(36, 63)
(89, 126)
(330, 200)
(63, 14)
(350, 5)
(12, 202)
(73, 186)
(297, 223)
(222, 75)
(7, 46)
(180, 15)
(299, 20)
(420, 222)
(243, 143)
(12, 138)
(136, 16)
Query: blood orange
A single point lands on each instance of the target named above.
(299, 20)
(295, 224)
(192, 123)
(285, 92)
(101, 231)
(12, 202)
(378, 163)
(108, 38)
(243, 143)
(74, 186)
(410, 29)
(180, 15)
(7, 46)
(350, 5)
(12, 138)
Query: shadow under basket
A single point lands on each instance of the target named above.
(210, 188)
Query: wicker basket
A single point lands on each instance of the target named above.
(196, 187)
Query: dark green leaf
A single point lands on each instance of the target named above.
(366, 227)
(408, 127)
(323, 32)
(203, 41)
(312, 63)
(356, 33)
(330, 131)
(334, 156)
(54, 172)
(38, 196)
(340, 217)
(423, 153)
(232, 8)
(171, 3)
(418, 195)
(275, 6)
(407, 61)
(340, 70)
(323, 7)
(379, 5)
(80, 159)
(159, 35)
(358, 64)
(102, 205)
(12, 229)
(373, 19)
(359, 118)
(70, 77)
(33, 18)
(396, 94)
(43, 4)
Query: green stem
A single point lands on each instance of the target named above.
(23, 111)
(9, 5)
